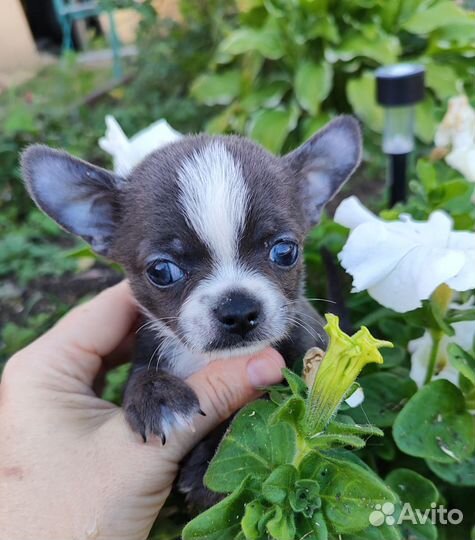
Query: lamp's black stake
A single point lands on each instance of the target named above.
(397, 178)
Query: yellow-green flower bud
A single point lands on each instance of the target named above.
(345, 358)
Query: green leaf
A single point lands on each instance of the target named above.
(441, 14)
(251, 445)
(386, 449)
(217, 89)
(312, 124)
(313, 528)
(420, 493)
(459, 315)
(249, 523)
(459, 474)
(296, 383)
(350, 428)
(384, 532)
(271, 127)
(427, 174)
(269, 96)
(348, 491)
(462, 361)
(291, 411)
(393, 357)
(279, 483)
(282, 525)
(266, 41)
(361, 95)
(325, 441)
(442, 80)
(372, 42)
(21, 119)
(248, 5)
(426, 120)
(447, 191)
(312, 84)
(385, 395)
(222, 521)
(278, 393)
(413, 488)
(305, 497)
(435, 424)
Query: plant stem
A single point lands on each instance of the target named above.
(436, 338)
(302, 450)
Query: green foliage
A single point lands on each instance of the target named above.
(285, 481)
(323, 62)
(431, 429)
(439, 411)
(420, 493)
(29, 251)
(281, 490)
(14, 337)
(115, 383)
(386, 393)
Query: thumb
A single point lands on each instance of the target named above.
(225, 386)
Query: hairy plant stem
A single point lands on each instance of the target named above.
(302, 450)
(436, 336)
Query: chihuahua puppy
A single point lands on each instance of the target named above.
(210, 231)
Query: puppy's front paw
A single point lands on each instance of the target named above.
(155, 403)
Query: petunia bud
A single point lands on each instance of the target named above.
(345, 358)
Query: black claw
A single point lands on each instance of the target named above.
(144, 437)
(202, 412)
(164, 439)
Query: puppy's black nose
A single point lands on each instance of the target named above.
(238, 313)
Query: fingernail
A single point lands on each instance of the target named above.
(264, 371)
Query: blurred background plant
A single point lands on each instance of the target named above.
(274, 70)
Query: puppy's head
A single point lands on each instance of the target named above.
(209, 229)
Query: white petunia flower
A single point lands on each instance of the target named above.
(400, 263)
(127, 153)
(457, 133)
(420, 350)
(356, 398)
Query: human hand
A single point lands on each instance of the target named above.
(70, 467)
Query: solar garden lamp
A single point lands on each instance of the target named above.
(399, 88)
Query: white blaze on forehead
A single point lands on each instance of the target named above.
(214, 196)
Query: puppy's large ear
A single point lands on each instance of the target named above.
(325, 162)
(80, 197)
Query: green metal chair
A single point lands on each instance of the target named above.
(70, 11)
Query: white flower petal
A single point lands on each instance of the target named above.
(415, 277)
(457, 128)
(462, 240)
(420, 350)
(356, 398)
(117, 145)
(153, 137)
(462, 159)
(351, 213)
(402, 262)
(433, 232)
(371, 252)
(127, 153)
(465, 278)
(465, 242)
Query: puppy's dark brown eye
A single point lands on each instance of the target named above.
(164, 273)
(284, 253)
